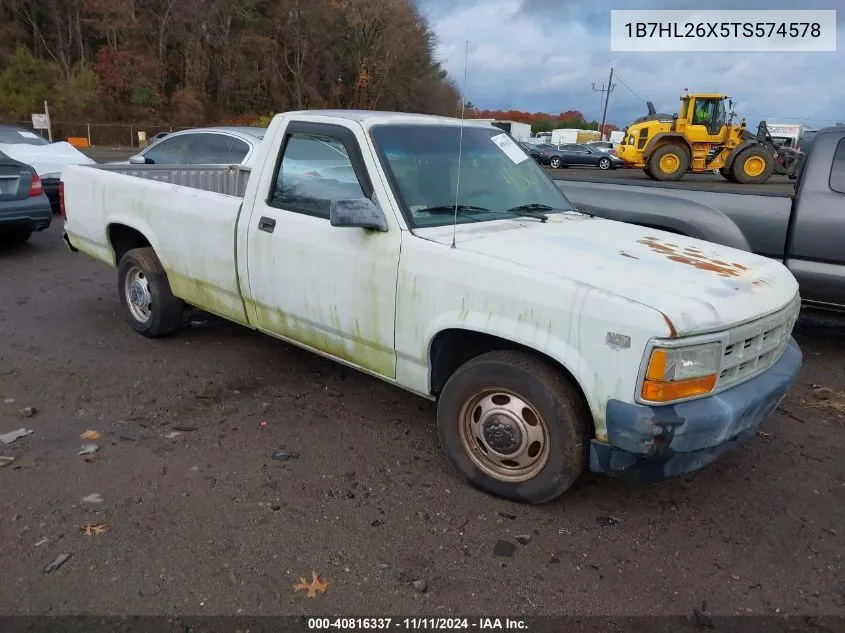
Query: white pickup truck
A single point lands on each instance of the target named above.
(553, 341)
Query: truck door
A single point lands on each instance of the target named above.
(331, 289)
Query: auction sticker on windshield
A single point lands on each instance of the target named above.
(511, 149)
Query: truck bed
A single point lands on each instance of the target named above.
(756, 222)
(229, 180)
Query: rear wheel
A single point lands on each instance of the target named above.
(145, 294)
(727, 174)
(753, 165)
(513, 426)
(668, 162)
(555, 162)
(648, 173)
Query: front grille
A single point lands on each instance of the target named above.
(756, 346)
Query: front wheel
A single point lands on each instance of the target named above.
(513, 426)
(554, 162)
(605, 164)
(753, 165)
(145, 294)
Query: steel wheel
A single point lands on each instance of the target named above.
(139, 300)
(504, 435)
(754, 166)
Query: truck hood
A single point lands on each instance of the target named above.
(699, 286)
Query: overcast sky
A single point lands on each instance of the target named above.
(545, 55)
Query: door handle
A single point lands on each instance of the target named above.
(266, 224)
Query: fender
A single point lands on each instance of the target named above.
(658, 139)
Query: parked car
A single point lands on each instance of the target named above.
(539, 151)
(24, 206)
(551, 340)
(580, 155)
(49, 169)
(804, 230)
(202, 146)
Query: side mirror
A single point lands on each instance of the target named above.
(357, 212)
(137, 159)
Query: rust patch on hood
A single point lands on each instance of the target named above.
(692, 256)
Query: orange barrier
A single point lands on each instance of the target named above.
(78, 141)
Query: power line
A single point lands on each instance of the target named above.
(777, 116)
(630, 89)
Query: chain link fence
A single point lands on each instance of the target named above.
(104, 134)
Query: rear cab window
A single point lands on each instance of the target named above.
(837, 170)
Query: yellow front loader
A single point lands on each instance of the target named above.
(700, 138)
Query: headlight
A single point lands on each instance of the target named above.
(675, 373)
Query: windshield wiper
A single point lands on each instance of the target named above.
(450, 208)
(532, 210)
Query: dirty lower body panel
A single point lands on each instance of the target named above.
(648, 443)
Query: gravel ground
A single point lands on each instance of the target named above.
(205, 522)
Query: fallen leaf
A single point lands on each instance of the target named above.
(827, 397)
(93, 528)
(316, 585)
(90, 435)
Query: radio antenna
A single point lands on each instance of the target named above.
(460, 143)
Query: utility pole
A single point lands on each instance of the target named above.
(603, 90)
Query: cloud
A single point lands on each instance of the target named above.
(547, 54)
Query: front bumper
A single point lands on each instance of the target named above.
(648, 443)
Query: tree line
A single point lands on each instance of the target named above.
(540, 121)
(186, 62)
(191, 62)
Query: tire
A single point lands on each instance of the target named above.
(561, 420)
(753, 165)
(666, 155)
(727, 174)
(554, 162)
(14, 237)
(605, 164)
(648, 173)
(141, 275)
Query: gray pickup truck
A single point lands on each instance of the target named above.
(804, 230)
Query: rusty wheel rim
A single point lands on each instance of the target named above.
(504, 435)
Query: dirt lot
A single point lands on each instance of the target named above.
(205, 522)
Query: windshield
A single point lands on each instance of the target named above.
(496, 176)
(19, 136)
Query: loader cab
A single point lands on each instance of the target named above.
(705, 116)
